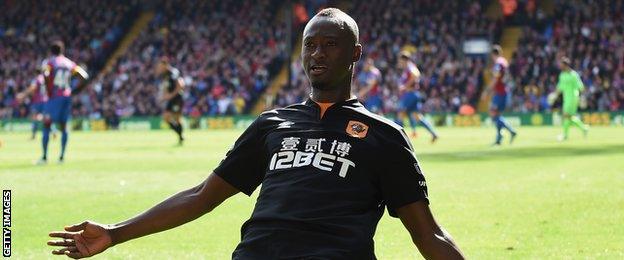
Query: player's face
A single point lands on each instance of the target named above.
(160, 68)
(493, 56)
(328, 54)
(402, 63)
(369, 64)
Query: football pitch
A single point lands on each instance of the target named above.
(537, 199)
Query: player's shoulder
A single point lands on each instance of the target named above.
(288, 110)
(39, 78)
(66, 61)
(502, 61)
(174, 72)
(575, 74)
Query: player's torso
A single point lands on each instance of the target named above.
(58, 78)
(569, 85)
(328, 156)
(40, 95)
(168, 82)
(408, 80)
(366, 77)
(500, 67)
(320, 174)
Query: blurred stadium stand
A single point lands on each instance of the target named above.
(239, 55)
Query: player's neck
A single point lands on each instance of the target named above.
(330, 96)
(334, 95)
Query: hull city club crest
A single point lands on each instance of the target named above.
(357, 129)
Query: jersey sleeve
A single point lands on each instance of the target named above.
(72, 66)
(401, 180)
(414, 70)
(175, 74)
(243, 165)
(579, 82)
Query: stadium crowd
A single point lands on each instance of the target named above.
(224, 69)
(433, 32)
(228, 51)
(589, 32)
(90, 29)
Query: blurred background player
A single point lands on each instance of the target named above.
(37, 92)
(410, 103)
(171, 89)
(57, 73)
(368, 81)
(499, 99)
(571, 85)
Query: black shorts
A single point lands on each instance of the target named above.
(175, 104)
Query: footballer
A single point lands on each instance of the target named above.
(328, 169)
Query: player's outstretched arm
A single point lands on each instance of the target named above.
(83, 75)
(89, 238)
(432, 241)
(22, 95)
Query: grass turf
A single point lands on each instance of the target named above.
(534, 199)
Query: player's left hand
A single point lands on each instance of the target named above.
(551, 98)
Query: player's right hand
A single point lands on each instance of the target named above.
(81, 240)
(20, 97)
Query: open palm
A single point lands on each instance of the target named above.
(81, 240)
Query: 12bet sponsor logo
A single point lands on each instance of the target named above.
(290, 155)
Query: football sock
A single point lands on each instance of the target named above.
(413, 121)
(499, 127)
(176, 128)
(578, 123)
(34, 128)
(44, 141)
(425, 123)
(64, 137)
(566, 127)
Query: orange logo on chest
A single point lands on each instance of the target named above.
(357, 129)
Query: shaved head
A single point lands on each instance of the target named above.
(342, 19)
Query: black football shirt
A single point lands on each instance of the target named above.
(168, 82)
(325, 181)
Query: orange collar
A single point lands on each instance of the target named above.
(323, 106)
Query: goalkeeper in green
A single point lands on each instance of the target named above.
(570, 85)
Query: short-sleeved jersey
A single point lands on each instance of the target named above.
(500, 69)
(364, 77)
(57, 71)
(325, 181)
(168, 81)
(571, 85)
(410, 71)
(40, 94)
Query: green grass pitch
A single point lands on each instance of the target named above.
(537, 199)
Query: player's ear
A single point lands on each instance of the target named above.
(357, 52)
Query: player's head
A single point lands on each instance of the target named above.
(57, 48)
(330, 49)
(565, 63)
(369, 63)
(497, 51)
(404, 58)
(162, 66)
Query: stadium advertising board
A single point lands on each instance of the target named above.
(242, 122)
